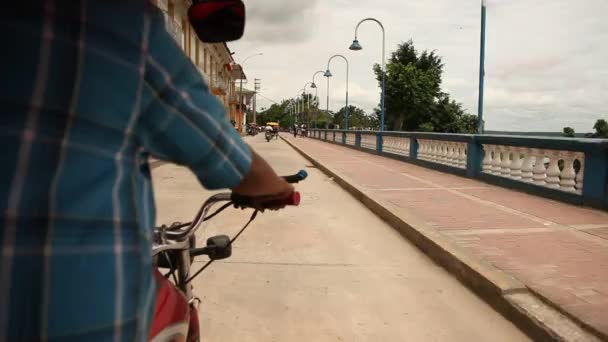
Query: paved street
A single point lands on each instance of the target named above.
(329, 270)
(557, 250)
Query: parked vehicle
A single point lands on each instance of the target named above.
(252, 129)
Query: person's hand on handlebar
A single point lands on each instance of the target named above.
(262, 181)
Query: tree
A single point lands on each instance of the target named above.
(277, 112)
(414, 100)
(601, 128)
(357, 118)
(568, 132)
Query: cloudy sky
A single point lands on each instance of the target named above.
(546, 60)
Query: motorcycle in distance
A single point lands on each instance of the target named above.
(272, 131)
(252, 129)
(176, 310)
(303, 131)
(269, 135)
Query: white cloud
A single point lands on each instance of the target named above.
(546, 60)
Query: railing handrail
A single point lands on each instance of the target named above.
(569, 169)
(554, 143)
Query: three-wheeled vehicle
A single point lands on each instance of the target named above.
(272, 130)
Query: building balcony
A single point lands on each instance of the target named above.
(218, 85)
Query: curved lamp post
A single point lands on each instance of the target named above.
(356, 46)
(299, 106)
(328, 75)
(307, 101)
(482, 55)
(314, 86)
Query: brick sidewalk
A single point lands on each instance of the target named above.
(557, 250)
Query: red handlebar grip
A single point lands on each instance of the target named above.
(293, 199)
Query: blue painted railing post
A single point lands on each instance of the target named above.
(344, 138)
(413, 148)
(358, 139)
(474, 157)
(595, 186)
(325, 135)
(334, 136)
(379, 142)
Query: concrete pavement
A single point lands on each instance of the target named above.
(500, 242)
(329, 270)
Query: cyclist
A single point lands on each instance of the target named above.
(91, 91)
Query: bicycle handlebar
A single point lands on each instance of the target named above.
(181, 232)
(271, 201)
(298, 177)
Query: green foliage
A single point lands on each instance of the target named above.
(601, 128)
(357, 118)
(280, 113)
(569, 132)
(283, 112)
(414, 100)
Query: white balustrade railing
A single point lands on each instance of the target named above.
(368, 141)
(396, 145)
(557, 166)
(450, 153)
(562, 170)
(351, 139)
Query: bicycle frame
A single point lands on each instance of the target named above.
(176, 311)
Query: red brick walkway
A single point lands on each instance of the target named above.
(556, 249)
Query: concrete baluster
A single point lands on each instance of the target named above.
(432, 149)
(553, 171)
(438, 151)
(497, 161)
(443, 156)
(527, 167)
(422, 149)
(427, 149)
(488, 160)
(462, 155)
(539, 170)
(449, 157)
(580, 176)
(454, 156)
(505, 165)
(568, 174)
(517, 163)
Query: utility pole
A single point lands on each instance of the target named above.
(257, 87)
(482, 71)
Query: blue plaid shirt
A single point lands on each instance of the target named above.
(90, 89)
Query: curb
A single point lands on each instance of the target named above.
(507, 295)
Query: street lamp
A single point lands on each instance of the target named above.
(241, 86)
(303, 93)
(307, 101)
(299, 107)
(314, 86)
(328, 74)
(356, 46)
(482, 56)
